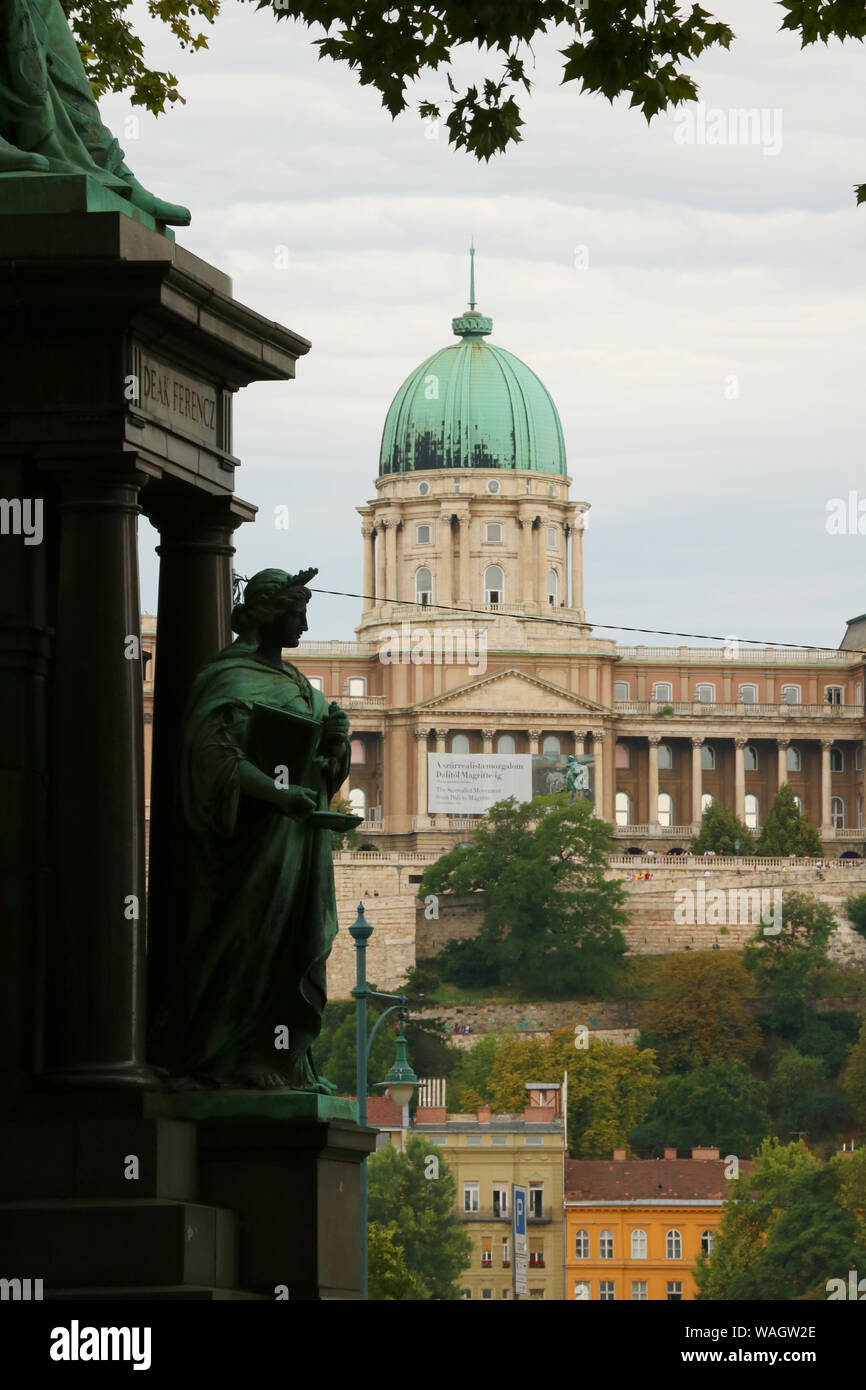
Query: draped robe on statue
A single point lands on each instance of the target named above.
(262, 908)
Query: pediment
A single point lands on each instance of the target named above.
(511, 690)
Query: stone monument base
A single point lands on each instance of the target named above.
(203, 1196)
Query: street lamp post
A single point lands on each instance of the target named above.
(401, 1079)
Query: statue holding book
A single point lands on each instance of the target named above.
(262, 754)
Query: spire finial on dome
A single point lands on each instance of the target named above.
(472, 275)
(472, 324)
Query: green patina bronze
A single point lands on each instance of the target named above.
(49, 119)
(262, 753)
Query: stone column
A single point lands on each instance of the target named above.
(601, 797)
(193, 624)
(367, 531)
(465, 596)
(740, 777)
(782, 755)
(525, 522)
(392, 579)
(488, 735)
(541, 563)
(95, 1019)
(381, 591)
(441, 738)
(578, 744)
(421, 797)
(534, 736)
(577, 562)
(697, 780)
(443, 592)
(826, 783)
(653, 741)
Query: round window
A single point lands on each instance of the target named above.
(423, 488)
(494, 486)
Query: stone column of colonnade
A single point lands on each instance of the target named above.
(601, 798)
(441, 740)
(444, 591)
(697, 780)
(541, 562)
(577, 561)
(367, 532)
(534, 736)
(826, 782)
(380, 562)
(421, 799)
(464, 595)
(488, 736)
(391, 592)
(740, 777)
(782, 762)
(525, 568)
(653, 810)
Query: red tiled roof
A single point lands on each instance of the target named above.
(637, 1180)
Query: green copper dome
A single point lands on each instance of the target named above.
(472, 405)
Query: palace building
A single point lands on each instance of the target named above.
(473, 639)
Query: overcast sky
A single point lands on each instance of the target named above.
(706, 263)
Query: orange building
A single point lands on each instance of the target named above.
(634, 1228)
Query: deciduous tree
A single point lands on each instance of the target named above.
(697, 1013)
(415, 1199)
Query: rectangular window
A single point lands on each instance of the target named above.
(500, 1201)
(465, 1293)
(675, 1291)
(662, 690)
(486, 1293)
(494, 532)
(605, 1291)
(473, 1139)
(357, 686)
(706, 694)
(506, 1252)
(534, 1139)
(749, 694)
(536, 1254)
(486, 1252)
(858, 758)
(422, 535)
(315, 682)
(620, 690)
(536, 1199)
(790, 694)
(470, 1196)
(639, 1291)
(499, 1140)
(506, 1293)
(833, 694)
(551, 537)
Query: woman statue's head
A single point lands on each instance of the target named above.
(273, 609)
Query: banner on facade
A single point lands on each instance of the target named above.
(468, 784)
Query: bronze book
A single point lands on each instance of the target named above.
(279, 738)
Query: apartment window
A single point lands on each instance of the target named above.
(639, 1291)
(506, 1293)
(357, 686)
(623, 808)
(493, 532)
(500, 1201)
(474, 1139)
(858, 758)
(708, 757)
(706, 694)
(506, 1252)
(837, 812)
(424, 586)
(662, 690)
(674, 1245)
(505, 744)
(620, 690)
(706, 802)
(552, 746)
(790, 694)
(581, 1291)
(486, 1293)
(581, 1245)
(494, 584)
(798, 802)
(551, 537)
(537, 1294)
(470, 1196)
(675, 1291)
(497, 1140)
(536, 1197)
(456, 484)
(315, 682)
(459, 743)
(638, 1245)
(552, 588)
(749, 694)
(605, 1291)
(621, 755)
(536, 1254)
(534, 1139)
(750, 758)
(666, 757)
(465, 1293)
(833, 694)
(837, 760)
(486, 1252)
(708, 1240)
(605, 1245)
(422, 535)
(795, 760)
(752, 811)
(666, 809)
(358, 802)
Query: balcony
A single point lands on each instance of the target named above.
(487, 1214)
(737, 709)
(775, 655)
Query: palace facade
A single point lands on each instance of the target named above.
(473, 639)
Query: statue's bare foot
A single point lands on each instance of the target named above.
(171, 214)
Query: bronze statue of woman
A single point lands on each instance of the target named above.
(262, 909)
(49, 119)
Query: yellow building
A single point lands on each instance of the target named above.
(633, 1228)
(487, 1153)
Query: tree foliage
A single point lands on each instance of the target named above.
(786, 831)
(388, 1277)
(697, 1013)
(720, 1104)
(853, 1079)
(791, 965)
(720, 831)
(855, 910)
(551, 914)
(420, 1212)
